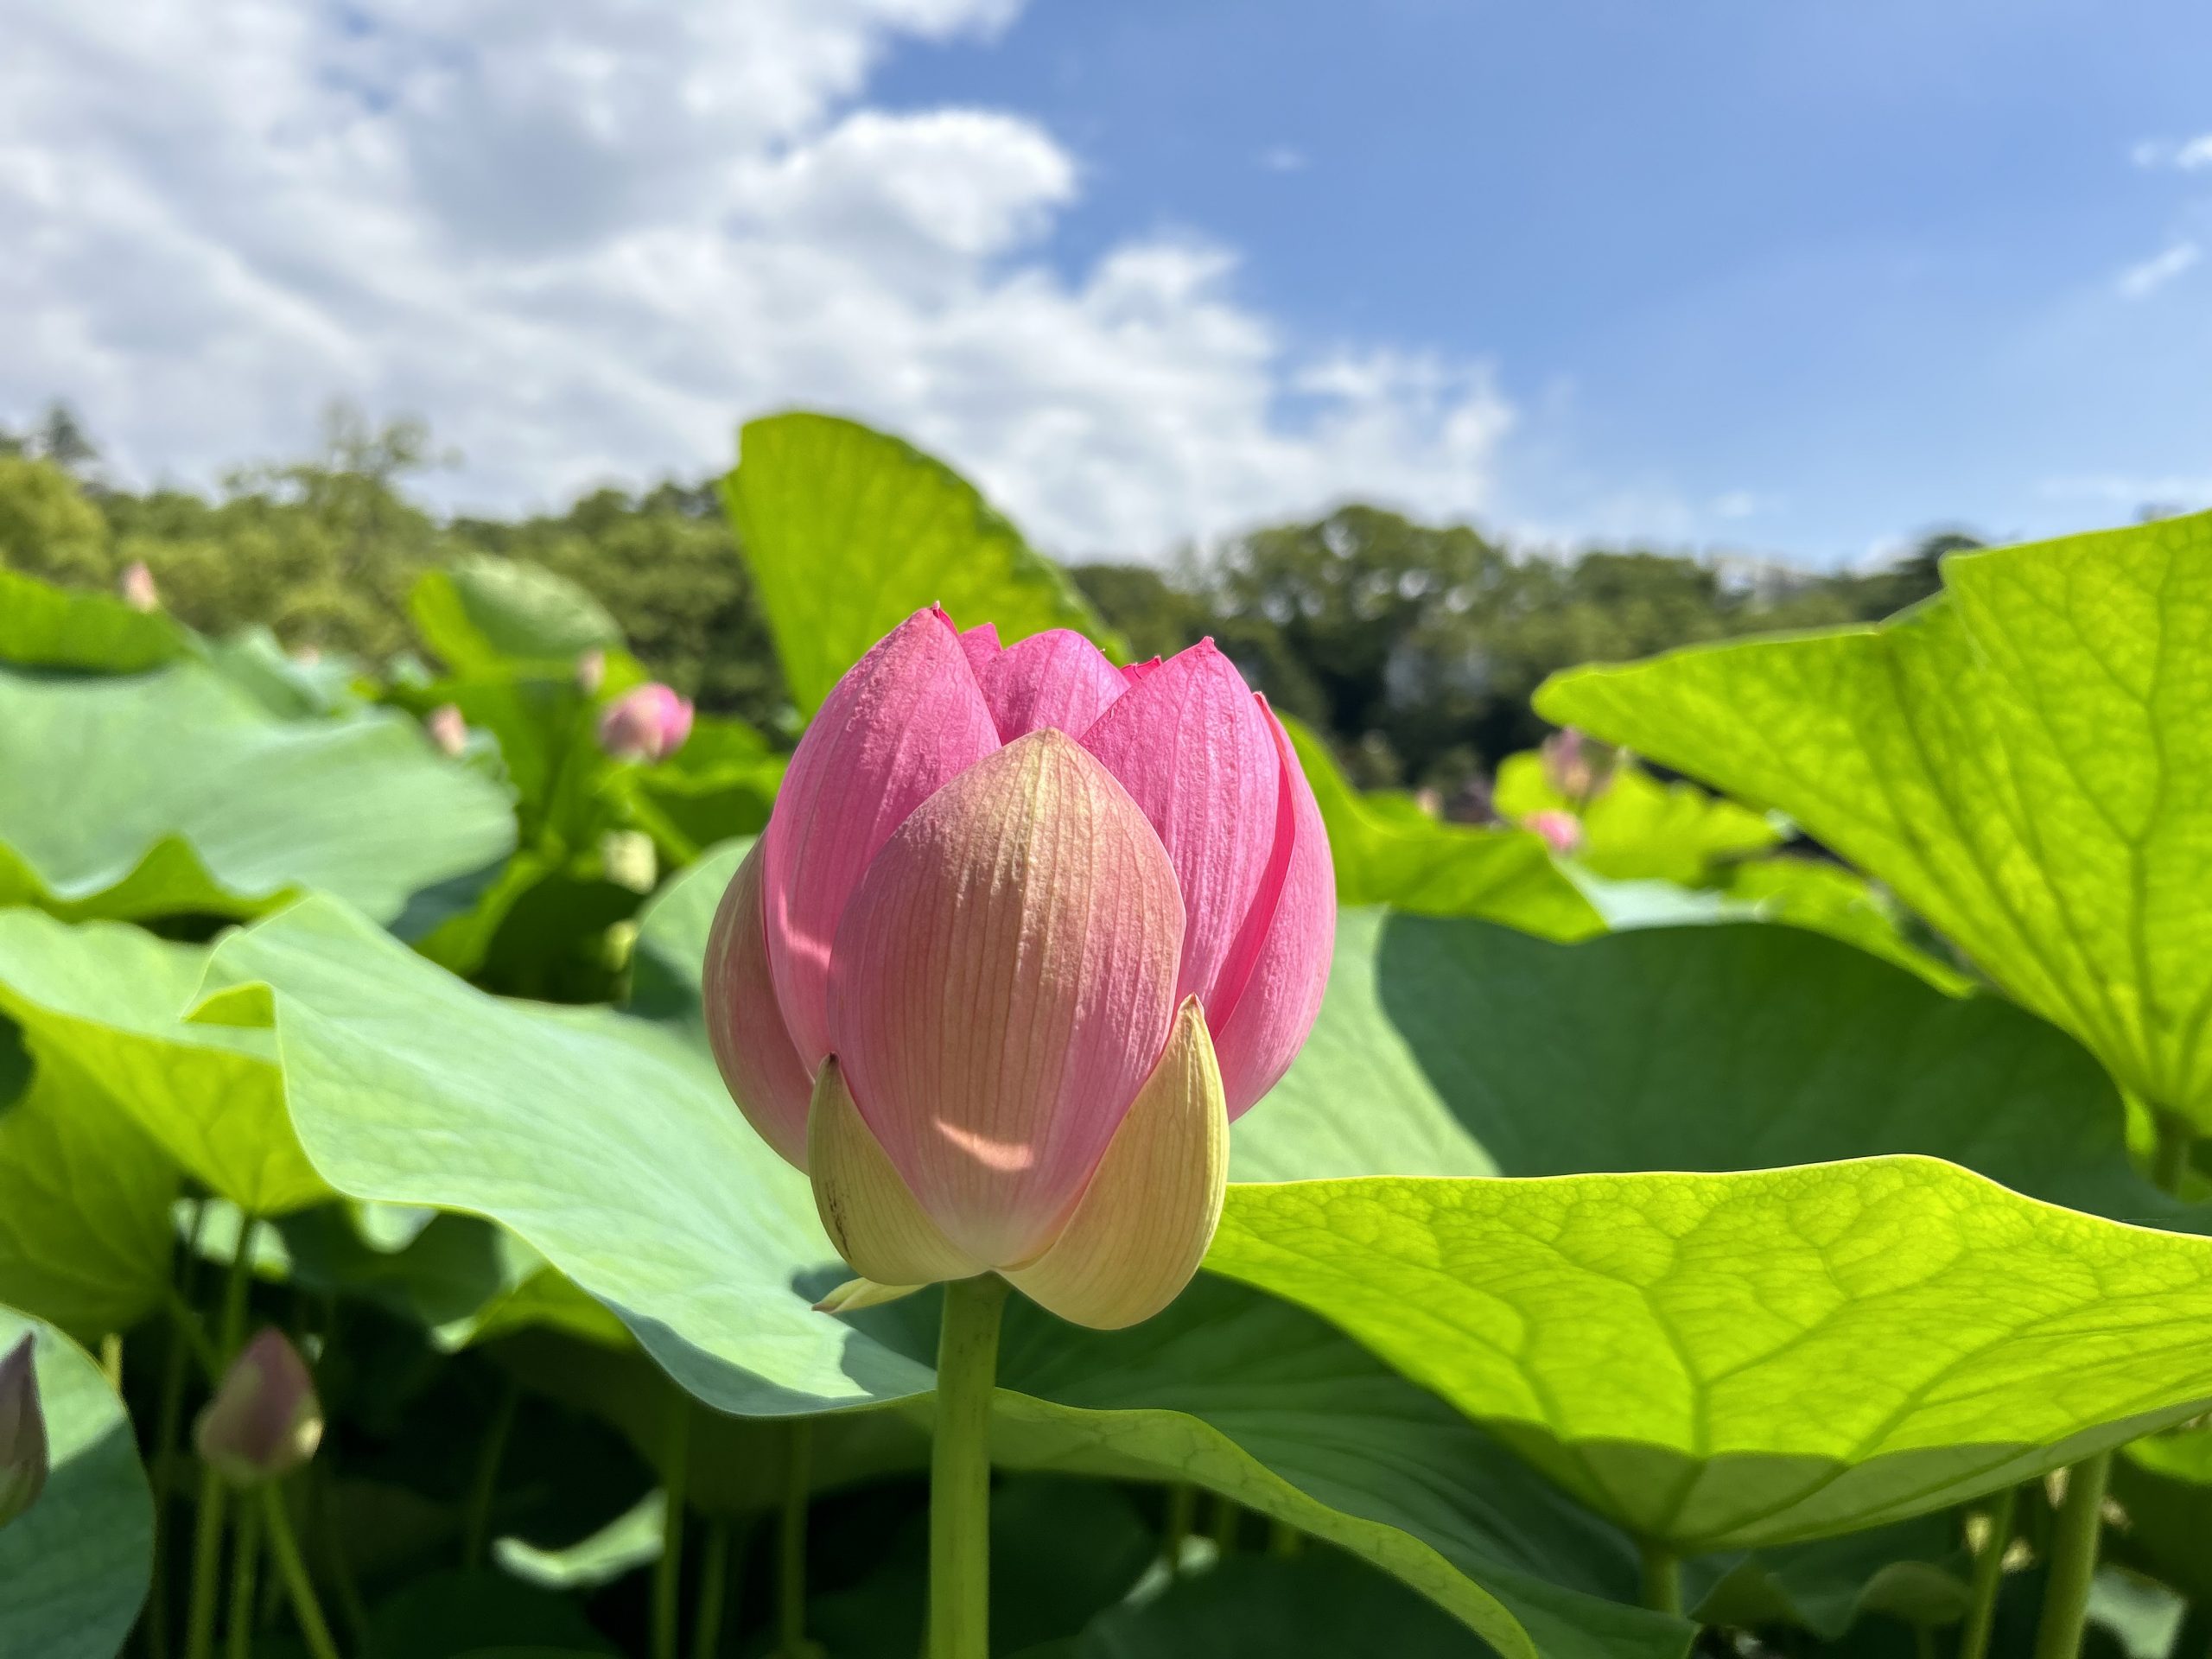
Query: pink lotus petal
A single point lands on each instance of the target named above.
(1004, 983)
(1296, 915)
(1134, 671)
(745, 1026)
(906, 719)
(981, 645)
(1198, 756)
(1055, 678)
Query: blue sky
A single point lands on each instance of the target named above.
(1804, 275)
(1802, 278)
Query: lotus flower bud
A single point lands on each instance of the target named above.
(137, 587)
(264, 1420)
(647, 724)
(591, 671)
(23, 1454)
(447, 728)
(1562, 831)
(1024, 933)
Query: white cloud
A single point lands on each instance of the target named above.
(586, 240)
(1282, 158)
(2140, 281)
(2190, 155)
(2161, 492)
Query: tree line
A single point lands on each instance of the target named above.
(1415, 646)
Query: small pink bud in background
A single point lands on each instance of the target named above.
(137, 587)
(591, 671)
(1562, 831)
(1025, 931)
(1567, 764)
(447, 728)
(23, 1454)
(647, 724)
(264, 1420)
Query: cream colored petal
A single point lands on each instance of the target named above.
(1137, 1234)
(870, 1214)
(857, 1294)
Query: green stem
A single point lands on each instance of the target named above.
(112, 1359)
(286, 1548)
(790, 1539)
(475, 1536)
(1227, 1518)
(1988, 1577)
(1663, 1578)
(168, 1424)
(960, 1470)
(2194, 1639)
(245, 1556)
(1285, 1540)
(1182, 1518)
(668, 1572)
(714, 1584)
(208, 1539)
(2073, 1559)
(2170, 1163)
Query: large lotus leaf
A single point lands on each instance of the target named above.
(1914, 1570)
(486, 611)
(45, 627)
(106, 1002)
(1458, 1048)
(176, 792)
(605, 1140)
(848, 532)
(2026, 761)
(1409, 860)
(1720, 1361)
(84, 1197)
(1636, 827)
(74, 1566)
(1829, 898)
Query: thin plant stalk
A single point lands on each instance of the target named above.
(714, 1585)
(960, 1470)
(112, 1359)
(285, 1548)
(208, 1539)
(2073, 1559)
(668, 1572)
(2170, 1161)
(1182, 1518)
(1227, 1519)
(322, 1495)
(477, 1535)
(169, 1422)
(245, 1558)
(791, 1539)
(1988, 1578)
(1663, 1578)
(1285, 1540)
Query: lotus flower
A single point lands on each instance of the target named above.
(647, 724)
(1562, 831)
(137, 589)
(591, 670)
(1025, 933)
(23, 1454)
(264, 1420)
(448, 728)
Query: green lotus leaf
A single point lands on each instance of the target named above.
(177, 793)
(848, 532)
(74, 1566)
(605, 1140)
(1728, 1360)
(1476, 1050)
(484, 613)
(1638, 829)
(45, 627)
(1409, 860)
(2026, 761)
(2164, 1486)
(106, 1002)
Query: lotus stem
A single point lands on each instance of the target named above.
(1988, 1576)
(245, 1557)
(477, 1535)
(286, 1548)
(960, 1470)
(668, 1572)
(2073, 1559)
(1227, 1520)
(208, 1540)
(1663, 1578)
(2170, 1162)
(714, 1586)
(790, 1539)
(1182, 1516)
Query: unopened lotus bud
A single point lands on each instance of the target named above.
(1562, 831)
(23, 1454)
(137, 587)
(1024, 933)
(647, 724)
(447, 728)
(264, 1420)
(591, 671)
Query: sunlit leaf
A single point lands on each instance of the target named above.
(484, 613)
(1735, 1360)
(1636, 827)
(74, 1566)
(2025, 760)
(848, 532)
(45, 627)
(176, 793)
